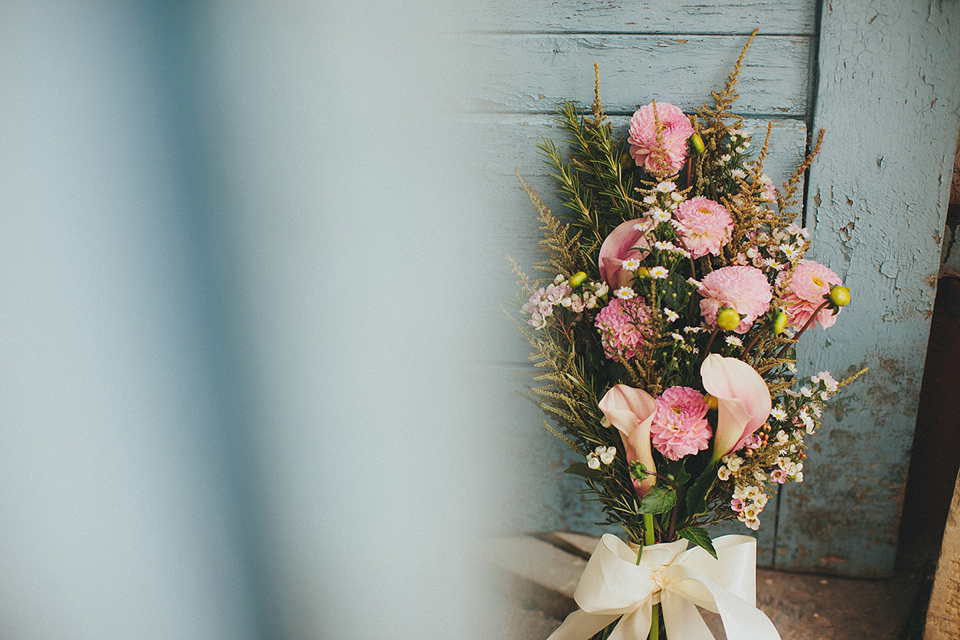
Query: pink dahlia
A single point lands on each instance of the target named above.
(675, 129)
(743, 289)
(705, 226)
(811, 281)
(680, 426)
(624, 328)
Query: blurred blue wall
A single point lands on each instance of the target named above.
(236, 396)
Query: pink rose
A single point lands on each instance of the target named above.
(743, 401)
(631, 412)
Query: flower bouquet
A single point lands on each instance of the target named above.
(664, 338)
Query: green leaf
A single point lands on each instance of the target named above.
(581, 469)
(697, 495)
(659, 500)
(699, 537)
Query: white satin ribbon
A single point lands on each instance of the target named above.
(614, 586)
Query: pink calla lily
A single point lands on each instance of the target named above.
(625, 242)
(631, 412)
(743, 401)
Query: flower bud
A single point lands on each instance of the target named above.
(780, 323)
(577, 279)
(839, 296)
(728, 319)
(711, 401)
(697, 143)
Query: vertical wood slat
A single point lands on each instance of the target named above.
(889, 77)
(541, 62)
(943, 614)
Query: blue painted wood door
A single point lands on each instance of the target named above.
(876, 204)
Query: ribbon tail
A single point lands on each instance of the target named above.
(683, 620)
(581, 625)
(635, 625)
(740, 618)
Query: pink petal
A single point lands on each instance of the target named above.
(743, 399)
(623, 242)
(631, 412)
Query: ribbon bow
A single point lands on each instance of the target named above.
(614, 586)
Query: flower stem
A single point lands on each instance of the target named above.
(649, 538)
(799, 333)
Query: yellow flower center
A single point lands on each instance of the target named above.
(705, 210)
(817, 281)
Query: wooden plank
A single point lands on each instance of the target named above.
(943, 615)
(719, 16)
(509, 142)
(889, 77)
(534, 73)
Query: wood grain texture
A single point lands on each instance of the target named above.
(510, 142)
(943, 614)
(720, 17)
(535, 73)
(888, 99)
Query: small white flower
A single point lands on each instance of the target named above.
(761, 500)
(676, 336)
(625, 293)
(659, 215)
(660, 245)
(608, 455)
(791, 367)
(734, 341)
(806, 392)
(798, 477)
(725, 158)
(676, 197)
(734, 463)
(631, 264)
(759, 476)
(739, 173)
(723, 473)
(659, 273)
(752, 492)
(750, 512)
(666, 187)
(778, 413)
(752, 523)
(650, 199)
(782, 436)
(693, 282)
(672, 316)
(751, 253)
(593, 461)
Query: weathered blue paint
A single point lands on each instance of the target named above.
(723, 17)
(887, 94)
(888, 98)
(535, 72)
(533, 68)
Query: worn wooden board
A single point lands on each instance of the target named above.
(509, 143)
(531, 73)
(888, 98)
(720, 17)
